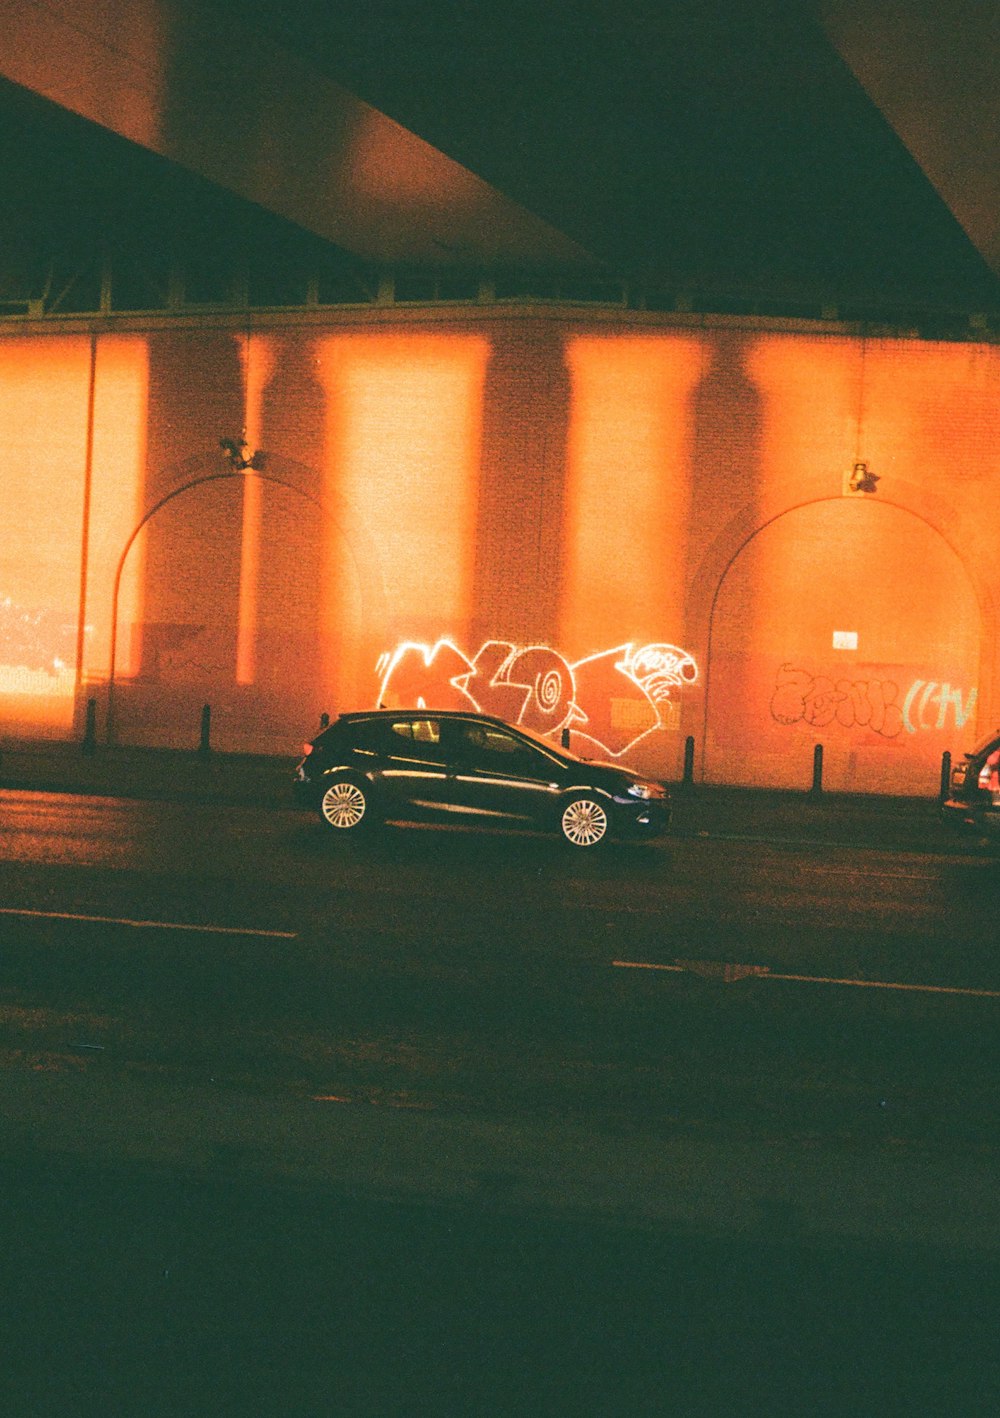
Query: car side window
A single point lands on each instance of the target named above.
(416, 738)
(491, 746)
(368, 736)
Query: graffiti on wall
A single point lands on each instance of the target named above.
(614, 698)
(818, 700)
(924, 697)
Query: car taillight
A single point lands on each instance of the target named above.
(307, 749)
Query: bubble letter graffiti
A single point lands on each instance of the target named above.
(613, 698)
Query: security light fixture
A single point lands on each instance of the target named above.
(862, 479)
(238, 456)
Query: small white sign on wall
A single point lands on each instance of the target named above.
(845, 639)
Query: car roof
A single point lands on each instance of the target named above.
(356, 715)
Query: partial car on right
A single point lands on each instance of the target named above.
(973, 802)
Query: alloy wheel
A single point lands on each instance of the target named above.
(343, 805)
(584, 823)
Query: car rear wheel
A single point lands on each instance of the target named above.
(345, 806)
(584, 822)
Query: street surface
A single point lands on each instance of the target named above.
(717, 1084)
(504, 975)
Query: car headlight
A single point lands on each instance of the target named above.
(644, 790)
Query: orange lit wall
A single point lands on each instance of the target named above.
(853, 641)
(853, 618)
(785, 593)
(811, 394)
(628, 489)
(43, 415)
(810, 399)
(116, 498)
(932, 421)
(256, 360)
(45, 508)
(520, 478)
(404, 417)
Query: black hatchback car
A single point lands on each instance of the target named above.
(472, 768)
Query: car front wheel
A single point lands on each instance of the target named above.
(345, 806)
(584, 822)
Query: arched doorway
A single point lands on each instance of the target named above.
(265, 627)
(848, 622)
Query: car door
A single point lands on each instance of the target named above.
(497, 774)
(413, 775)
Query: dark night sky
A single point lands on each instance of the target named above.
(718, 143)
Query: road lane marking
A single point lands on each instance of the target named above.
(761, 972)
(648, 965)
(146, 925)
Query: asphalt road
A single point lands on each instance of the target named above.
(702, 980)
(456, 1123)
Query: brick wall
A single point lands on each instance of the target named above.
(657, 509)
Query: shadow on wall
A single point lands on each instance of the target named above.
(519, 551)
(728, 421)
(291, 599)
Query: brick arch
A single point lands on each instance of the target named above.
(200, 472)
(931, 510)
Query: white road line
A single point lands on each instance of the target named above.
(763, 973)
(648, 965)
(863, 871)
(146, 925)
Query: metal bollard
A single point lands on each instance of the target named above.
(817, 782)
(205, 746)
(564, 738)
(324, 721)
(689, 759)
(945, 784)
(89, 743)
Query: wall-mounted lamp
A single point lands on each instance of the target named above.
(861, 479)
(238, 456)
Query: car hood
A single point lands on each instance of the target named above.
(616, 776)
